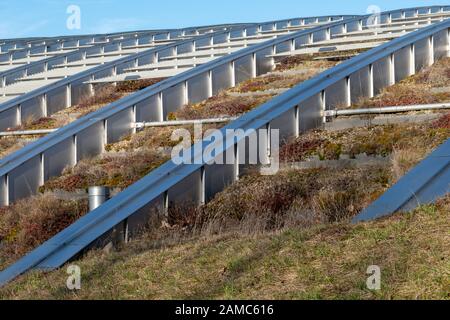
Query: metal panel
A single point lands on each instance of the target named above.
(251, 31)
(221, 38)
(34, 69)
(79, 91)
(286, 124)
(11, 78)
(3, 191)
(77, 56)
(381, 74)
(103, 73)
(243, 69)
(113, 236)
(58, 157)
(221, 78)
(423, 184)
(337, 30)
(147, 59)
(25, 180)
(202, 42)
(281, 25)
(185, 48)
(236, 34)
(283, 47)
(198, 88)
(359, 84)
(396, 15)
(422, 54)
(55, 62)
(90, 141)
(217, 178)
(267, 27)
(310, 113)
(149, 110)
(336, 95)
(123, 67)
(264, 63)
(352, 26)
(402, 62)
(56, 100)
(410, 13)
(140, 219)
(441, 44)
(173, 99)
(119, 125)
(187, 191)
(320, 36)
(8, 119)
(254, 150)
(301, 41)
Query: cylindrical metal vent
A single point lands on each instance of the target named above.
(97, 196)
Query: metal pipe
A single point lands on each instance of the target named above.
(353, 112)
(26, 132)
(97, 196)
(182, 122)
(135, 125)
(328, 113)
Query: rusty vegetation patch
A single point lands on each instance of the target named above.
(431, 85)
(377, 140)
(219, 106)
(118, 170)
(324, 262)
(9, 145)
(107, 93)
(289, 199)
(30, 222)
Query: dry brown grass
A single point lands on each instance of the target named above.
(220, 106)
(403, 94)
(292, 198)
(305, 61)
(9, 145)
(115, 170)
(416, 89)
(324, 262)
(437, 75)
(30, 222)
(136, 85)
(376, 140)
(105, 94)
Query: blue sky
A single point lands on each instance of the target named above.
(24, 18)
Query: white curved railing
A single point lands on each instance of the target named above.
(51, 98)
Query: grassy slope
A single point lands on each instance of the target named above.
(326, 262)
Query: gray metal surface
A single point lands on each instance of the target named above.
(91, 133)
(12, 75)
(424, 184)
(97, 197)
(173, 184)
(73, 88)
